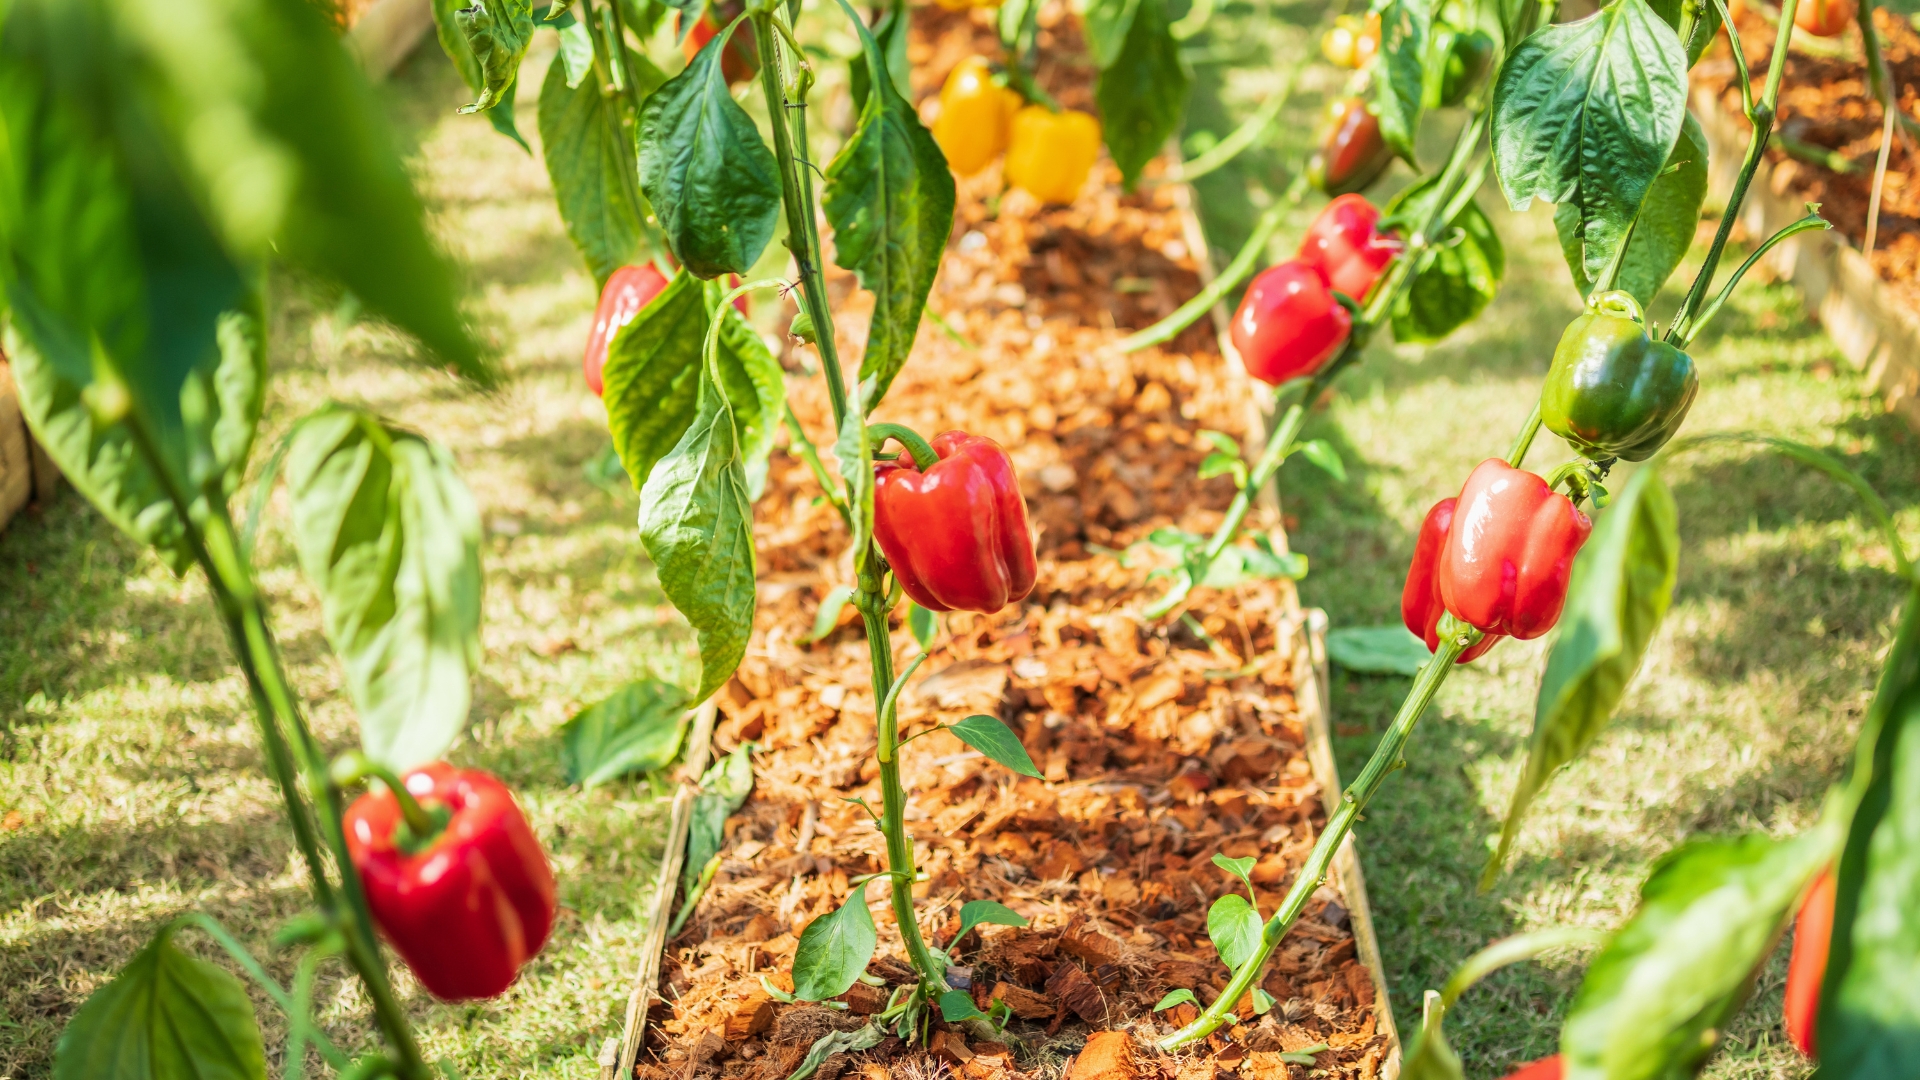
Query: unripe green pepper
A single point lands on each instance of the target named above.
(1469, 55)
(1613, 391)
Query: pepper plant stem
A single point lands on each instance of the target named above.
(1386, 758)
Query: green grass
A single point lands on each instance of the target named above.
(1746, 708)
(127, 747)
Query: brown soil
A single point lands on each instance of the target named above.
(1159, 750)
(1824, 100)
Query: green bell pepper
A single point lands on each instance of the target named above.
(1613, 391)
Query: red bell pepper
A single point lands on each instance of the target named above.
(1289, 323)
(1812, 936)
(1509, 552)
(955, 534)
(628, 290)
(1420, 604)
(1344, 245)
(466, 908)
(1547, 1068)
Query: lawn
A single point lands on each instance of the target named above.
(129, 789)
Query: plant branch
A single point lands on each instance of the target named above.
(1811, 221)
(1456, 639)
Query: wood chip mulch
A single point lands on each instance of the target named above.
(1159, 747)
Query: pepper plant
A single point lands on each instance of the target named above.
(675, 171)
(1591, 115)
(156, 159)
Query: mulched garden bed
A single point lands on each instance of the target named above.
(1159, 748)
(1825, 102)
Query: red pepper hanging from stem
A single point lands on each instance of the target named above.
(1420, 603)
(1509, 552)
(951, 522)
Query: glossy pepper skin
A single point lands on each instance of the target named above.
(629, 289)
(1613, 391)
(1547, 1068)
(1420, 603)
(1345, 245)
(956, 534)
(476, 902)
(1812, 936)
(1288, 323)
(1352, 152)
(1825, 18)
(1049, 154)
(1509, 552)
(976, 117)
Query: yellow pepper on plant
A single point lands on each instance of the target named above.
(1051, 153)
(976, 117)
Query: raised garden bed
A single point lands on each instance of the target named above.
(1870, 307)
(1160, 747)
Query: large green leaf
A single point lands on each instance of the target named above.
(637, 729)
(1622, 584)
(1457, 281)
(1379, 650)
(1107, 25)
(1586, 112)
(166, 1016)
(453, 41)
(1681, 967)
(889, 198)
(711, 180)
(1664, 231)
(891, 34)
(390, 538)
(834, 949)
(1400, 71)
(696, 521)
(1869, 1023)
(587, 143)
(497, 33)
(1143, 94)
(652, 380)
(723, 790)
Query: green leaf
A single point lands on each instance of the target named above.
(1622, 584)
(1220, 441)
(828, 616)
(837, 1042)
(1217, 464)
(583, 138)
(1400, 71)
(723, 791)
(1377, 650)
(390, 538)
(1239, 563)
(1706, 25)
(755, 385)
(924, 625)
(497, 33)
(1143, 94)
(889, 198)
(1869, 1022)
(1240, 868)
(636, 730)
(1586, 112)
(1664, 232)
(957, 1005)
(891, 34)
(1262, 1002)
(975, 912)
(1457, 280)
(1235, 927)
(576, 55)
(1108, 23)
(166, 1016)
(992, 737)
(453, 42)
(1176, 997)
(834, 949)
(652, 376)
(1709, 914)
(1322, 453)
(711, 180)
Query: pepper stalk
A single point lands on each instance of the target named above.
(871, 597)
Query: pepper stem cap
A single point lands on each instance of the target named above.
(921, 449)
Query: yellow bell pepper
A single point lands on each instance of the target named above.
(1051, 153)
(975, 117)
